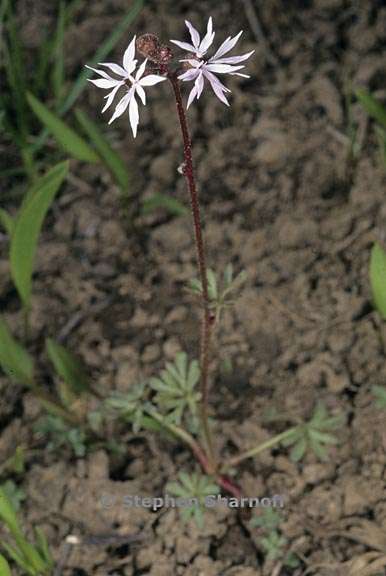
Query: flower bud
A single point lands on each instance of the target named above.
(148, 45)
(165, 54)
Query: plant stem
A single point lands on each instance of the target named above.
(235, 461)
(222, 480)
(184, 436)
(201, 260)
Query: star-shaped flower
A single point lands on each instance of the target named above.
(202, 69)
(134, 85)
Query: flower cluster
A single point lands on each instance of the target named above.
(198, 68)
(202, 69)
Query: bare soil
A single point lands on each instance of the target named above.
(281, 200)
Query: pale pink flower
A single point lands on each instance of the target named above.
(206, 69)
(134, 85)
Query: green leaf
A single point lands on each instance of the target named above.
(6, 221)
(19, 559)
(65, 136)
(111, 159)
(43, 546)
(68, 367)
(15, 68)
(8, 515)
(58, 69)
(14, 359)
(27, 229)
(298, 450)
(378, 278)
(4, 567)
(212, 284)
(159, 200)
(372, 106)
(49, 178)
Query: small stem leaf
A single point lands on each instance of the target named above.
(27, 229)
(378, 278)
(298, 450)
(322, 437)
(212, 284)
(193, 374)
(228, 275)
(72, 143)
(14, 359)
(182, 364)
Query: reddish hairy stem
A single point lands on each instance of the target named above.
(207, 318)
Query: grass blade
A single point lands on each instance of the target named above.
(47, 178)
(69, 368)
(8, 515)
(27, 229)
(65, 136)
(372, 106)
(4, 567)
(378, 278)
(6, 221)
(112, 160)
(15, 361)
(159, 200)
(58, 51)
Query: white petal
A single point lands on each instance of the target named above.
(128, 57)
(226, 46)
(151, 79)
(189, 75)
(141, 70)
(141, 92)
(134, 115)
(192, 96)
(105, 83)
(184, 45)
(217, 86)
(239, 74)
(199, 84)
(110, 97)
(208, 38)
(115, 68)
(195, 36)
(232, 59)
(222, 68)
(100, 72)
(121, 106)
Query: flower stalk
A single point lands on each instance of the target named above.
(201, 260)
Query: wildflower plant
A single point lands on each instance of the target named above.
(176, 401)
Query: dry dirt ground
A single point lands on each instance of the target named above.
(282, 200)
